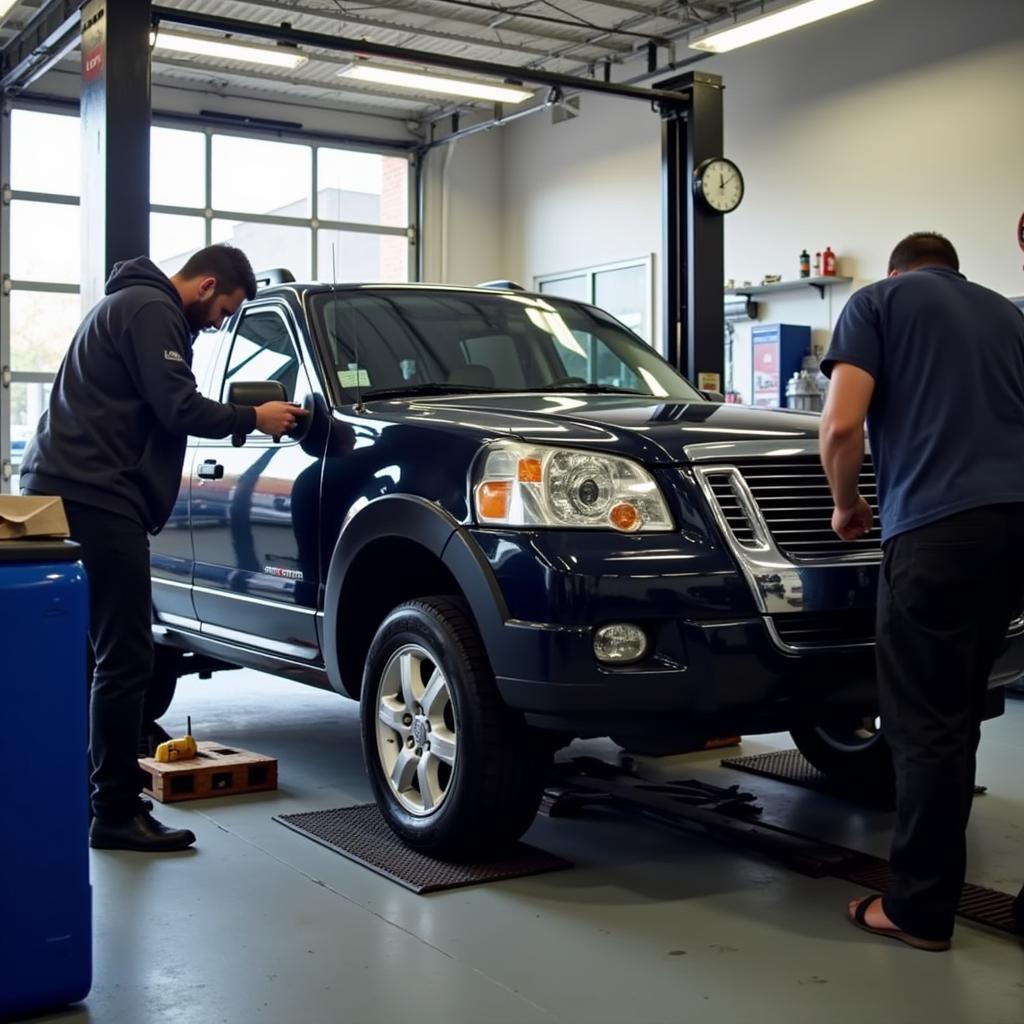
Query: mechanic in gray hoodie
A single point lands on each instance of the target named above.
(112, 446)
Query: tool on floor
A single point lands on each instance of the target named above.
(183, 749)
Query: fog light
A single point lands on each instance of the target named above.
(619, 643)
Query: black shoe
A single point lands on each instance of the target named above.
(1018, 911)
(143, 833)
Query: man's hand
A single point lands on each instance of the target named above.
(853, 523)
(277, 418)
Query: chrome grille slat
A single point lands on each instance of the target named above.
(794, 499)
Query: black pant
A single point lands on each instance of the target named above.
(947, 594)
(115, 552)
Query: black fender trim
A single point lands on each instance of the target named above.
(409, 518)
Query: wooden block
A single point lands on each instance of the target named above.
(216, 770)
(722, 741)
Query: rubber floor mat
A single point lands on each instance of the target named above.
(785, 765)
(361, 834)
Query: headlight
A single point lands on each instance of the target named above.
(532, 485)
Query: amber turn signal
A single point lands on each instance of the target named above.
(624, 517)
(492, 498)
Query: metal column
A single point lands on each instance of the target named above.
(115, 112)
(693, 239)
(5, 299)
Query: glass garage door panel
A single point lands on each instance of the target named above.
(45, 242)
(362, 188)
(177, 168)
(269, 245)
(42, 326)
(355, 256)
(173, 238)
(36, 139)
(255, 176)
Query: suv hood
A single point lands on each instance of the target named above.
(645, 428)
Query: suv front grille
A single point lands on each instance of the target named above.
(794, 499)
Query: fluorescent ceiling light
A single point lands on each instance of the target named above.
(5, 6)
(420, 81)
(207, 46)
(773, 24)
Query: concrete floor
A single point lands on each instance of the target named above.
(260, 924)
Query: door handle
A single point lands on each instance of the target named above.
(210, 469)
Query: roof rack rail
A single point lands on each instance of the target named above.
(505, 285)
(275, 275)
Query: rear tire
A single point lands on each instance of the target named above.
(853, 754)
(455, 773)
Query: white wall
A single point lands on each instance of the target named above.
(462, 215)
(902, 115)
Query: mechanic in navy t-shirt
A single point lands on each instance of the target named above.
(935, 365)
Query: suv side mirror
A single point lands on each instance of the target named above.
(714, 396)
(254, 392)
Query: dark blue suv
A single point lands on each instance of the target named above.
(508, 522)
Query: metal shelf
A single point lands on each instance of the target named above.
(821, 283)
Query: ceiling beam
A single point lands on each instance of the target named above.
(221, 72)
(44, 40)
(601, 51)
(341, 44)
(510, 15)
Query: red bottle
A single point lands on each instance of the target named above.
(828, 263)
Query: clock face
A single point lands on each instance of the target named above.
(720, 184)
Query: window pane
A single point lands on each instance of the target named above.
(625, 293)
(576, 288)
(263, 350)
(28, 403)
(42, 326)
(177, 167)
(269, 245)
(362, 257)
(172, 239)
(45, 243)
(364, 188)
(254, 176)
(45, 152)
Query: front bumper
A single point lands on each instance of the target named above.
(732, 678)
(717, 663)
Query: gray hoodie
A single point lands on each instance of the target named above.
(124, 403)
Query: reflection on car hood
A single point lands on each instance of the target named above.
(647, 428)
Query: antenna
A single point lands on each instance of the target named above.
(355, 339)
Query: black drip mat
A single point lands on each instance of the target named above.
(791, 766)
(988, 907)
(362, 835)
(786, 765)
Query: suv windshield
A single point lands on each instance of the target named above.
(393, 341)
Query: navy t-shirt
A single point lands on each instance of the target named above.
(946, 421)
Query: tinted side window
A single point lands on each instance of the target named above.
(263, 350)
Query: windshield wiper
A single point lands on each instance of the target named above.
(591, 389)
(437, 388)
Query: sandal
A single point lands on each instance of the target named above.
(858, 917)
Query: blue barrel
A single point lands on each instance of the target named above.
(46, 939)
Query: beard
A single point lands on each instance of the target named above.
(200, 314)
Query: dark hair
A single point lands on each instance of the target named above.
(229, 265)
(924, 249)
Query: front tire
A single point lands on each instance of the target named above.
(853, 754)
(454, 772)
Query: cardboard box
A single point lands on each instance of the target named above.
(23, 517)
